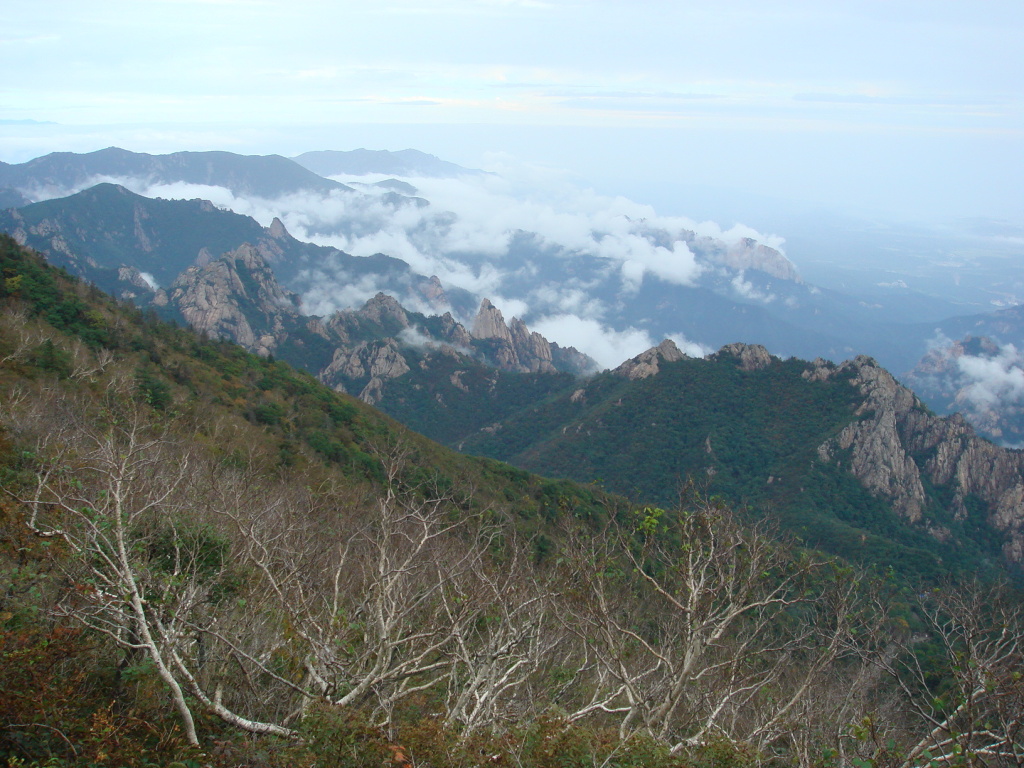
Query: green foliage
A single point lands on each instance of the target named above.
(85, 702)
(749, 436)
(152, 390)
(47, 357)
(27, 278)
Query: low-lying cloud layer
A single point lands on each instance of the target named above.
(993, 381)
(541, 248)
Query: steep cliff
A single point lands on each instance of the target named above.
(513, 347)
(236, 296)
(929, 466)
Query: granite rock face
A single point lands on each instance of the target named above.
(878, 456)
(376, 361)
(752, 357)
(647, 363)
(513, 347)
(236, 296)
(376, 343)
(745, 254)
(896, 445)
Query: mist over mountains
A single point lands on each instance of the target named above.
(607, 276)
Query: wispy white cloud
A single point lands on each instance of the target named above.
(608, 346)
(747, 290)
(993, 381)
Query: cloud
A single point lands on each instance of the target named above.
(749, 291)
(993, 381)
(538, 244)
(607, 346)
(332, 291)
(691, 348)
(415, 337)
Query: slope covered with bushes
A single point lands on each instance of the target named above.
(213, 560)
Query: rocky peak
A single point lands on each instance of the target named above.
(386, 312)
(433, 292)
(533, 350)
(277, 230)
(512, 347)
(235, 297)
(746, 253)
(489, 323)
(752, 357)
(648, 363)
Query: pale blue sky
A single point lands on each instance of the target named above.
(904, 106)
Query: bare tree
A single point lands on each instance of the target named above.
(704, 628)
(98, 490)
(513, 636)
(372, 589)
(117, 488)
(973, 641)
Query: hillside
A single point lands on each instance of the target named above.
(214, 559)
(466, 383)
(845, 457)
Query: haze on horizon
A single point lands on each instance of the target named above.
(903, 109)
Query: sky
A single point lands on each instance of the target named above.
(905, 108)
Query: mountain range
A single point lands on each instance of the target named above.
(810, 441)
(214, 558)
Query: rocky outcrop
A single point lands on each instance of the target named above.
(489, 323)
(571, 360)
(752, 357)
(649, 363)
(455, 333)
(514, 347)
(382, 341)
(386, 312)
(746, 253)
(433, 293)
(372, 362)
(511, 349)
(380, 317)
(532, 349)
(878, 456)
(236, 297)
(896, 444)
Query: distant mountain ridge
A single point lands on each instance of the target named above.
(104, 228)
(264, 176)
(219, 272)
(753, 292)
(362, 162)
(672, 281)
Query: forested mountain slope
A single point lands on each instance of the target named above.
(847, 458)
(211, 558)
